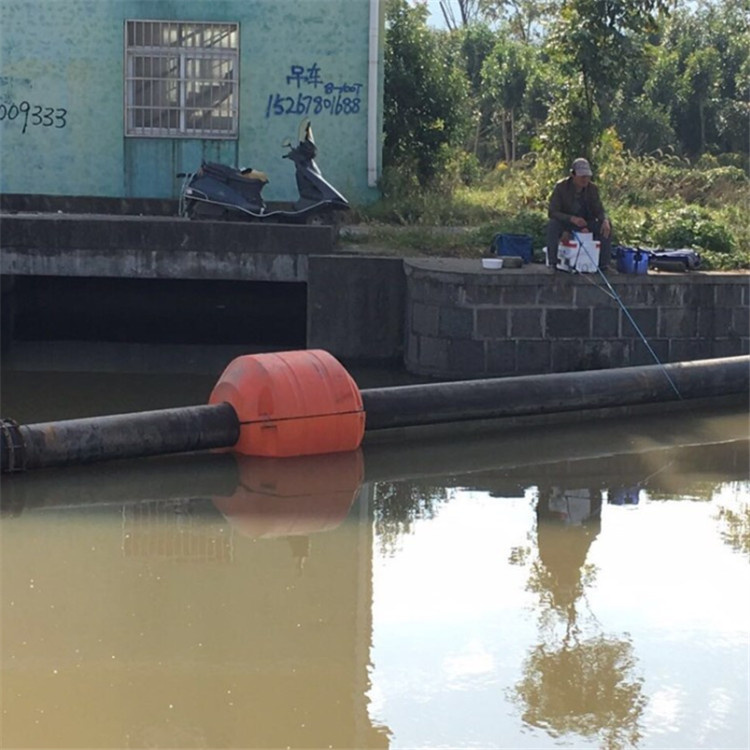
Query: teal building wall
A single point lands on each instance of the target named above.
(62, 68)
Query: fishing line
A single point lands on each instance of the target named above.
(613, 293)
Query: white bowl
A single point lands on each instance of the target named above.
(492, 263)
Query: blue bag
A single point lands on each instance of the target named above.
(632, 259)
(512, 244)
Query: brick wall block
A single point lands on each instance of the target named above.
(467, 357)
(688, 349)
(729, 347)
(591, 296)
(678, 322)
(640, 354)
(599, 355)
(561, 292)
(565, 356)
(563, 323)
(533, 356)
(728, 295)
(456, 322)
(638, 295)
(526, 323)
(519, 295)
(699, 295)
(424, 319)
(432, 292)
(645, 319)
(491, 323)
(605, 322)
(741, 321)
(432, 353)
(501, 357)
(481, 294)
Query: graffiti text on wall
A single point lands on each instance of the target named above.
(335, 99)
(33, 115)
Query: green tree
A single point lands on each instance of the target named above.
(701, 79)
(475, 43)
(700, 76)
(593, 43)
(506, 75)
(426, 99)
(524, 20)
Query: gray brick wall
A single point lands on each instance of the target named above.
(464, 322)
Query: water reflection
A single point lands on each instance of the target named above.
(210, 601)
(292, 498)
(733, 515)
(187, 621)
(577, 679)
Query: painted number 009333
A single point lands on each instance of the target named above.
(34, 115)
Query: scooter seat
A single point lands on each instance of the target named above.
(222, 171)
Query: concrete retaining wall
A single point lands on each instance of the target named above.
(464, 322)
(158, 247)
(445, 318)
(356, 306)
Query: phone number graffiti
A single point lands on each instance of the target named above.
(335, 99)
(34, 115)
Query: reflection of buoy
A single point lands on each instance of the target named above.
(292, 404)
(293, 496)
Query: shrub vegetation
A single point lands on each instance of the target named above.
(483, 117)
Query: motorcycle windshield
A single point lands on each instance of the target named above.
(305, 132)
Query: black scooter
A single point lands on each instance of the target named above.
(217, 191)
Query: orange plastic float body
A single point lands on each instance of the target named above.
(295, 403)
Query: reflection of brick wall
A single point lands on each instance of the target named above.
(464, 322)
(169, 530)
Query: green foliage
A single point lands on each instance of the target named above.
(643, 124)
(506, 75)
(654, 201)
(425, 93)
(592, 42)
(569, 130)
(480, 121)
(692, 227)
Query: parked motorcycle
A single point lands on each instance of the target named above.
(218, 191)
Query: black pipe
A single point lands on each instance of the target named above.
(545, 394)
(149, 433)
(196, 428)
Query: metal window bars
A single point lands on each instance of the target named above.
(181, 79)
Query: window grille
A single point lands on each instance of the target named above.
(181, 79)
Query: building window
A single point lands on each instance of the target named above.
(181, 79)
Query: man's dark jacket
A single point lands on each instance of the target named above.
(562, 202)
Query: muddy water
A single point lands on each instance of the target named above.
(584, 586)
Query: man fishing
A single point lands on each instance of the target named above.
(575, 206)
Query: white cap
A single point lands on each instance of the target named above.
(582, 167)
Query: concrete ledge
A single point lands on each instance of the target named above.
(157, 247)
(83, 204)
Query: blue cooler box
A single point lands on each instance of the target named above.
(512, 244)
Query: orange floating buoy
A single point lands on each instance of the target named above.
(295, 403)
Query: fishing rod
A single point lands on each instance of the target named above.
(613, 293)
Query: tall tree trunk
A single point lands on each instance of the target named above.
(506, 144)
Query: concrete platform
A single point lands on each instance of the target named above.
(126, 246)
